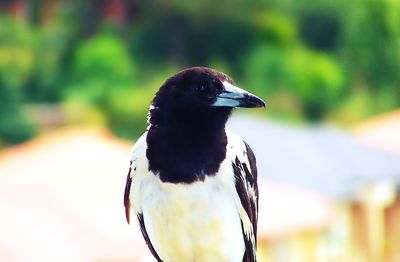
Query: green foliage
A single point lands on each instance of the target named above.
(192, 39)
(320, 29)
(128, 110)
(315, 79)
(15, 126)
(266, 69)
(50, 50)
(16, 54)
(371, 42)
(103, 76)
(101, 65)
(16, 64)
(275, 28)
(103, 56)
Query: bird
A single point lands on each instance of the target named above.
(192, 184)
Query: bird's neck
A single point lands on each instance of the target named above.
(189, 117)
(188, 147)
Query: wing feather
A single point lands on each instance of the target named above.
(127, 202)
(245, 172)
(146, 237)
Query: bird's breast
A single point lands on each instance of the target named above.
(192, 222)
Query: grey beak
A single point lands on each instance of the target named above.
(233, 96)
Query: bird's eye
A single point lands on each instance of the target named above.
(217, 86)
(201, 88)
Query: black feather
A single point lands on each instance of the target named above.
(127, 203)
(146, 237)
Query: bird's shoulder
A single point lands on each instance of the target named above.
(137, 164)
(236, 147)
(138, 152)
(239, 152)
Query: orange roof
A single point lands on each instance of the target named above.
(61, 200)
(381, 131)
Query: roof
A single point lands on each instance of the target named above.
(382, 131)
(284, 210)
(62, 195)
(323, 159)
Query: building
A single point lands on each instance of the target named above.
(358, 179)
(383, 132)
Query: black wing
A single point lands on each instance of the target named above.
(127, 205)
(247, 189)
(146, 237)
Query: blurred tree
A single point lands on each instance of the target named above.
(15, 126)
(191, 34)
(371, 42)
(16, 63)
(274, 28)
(320, 29)
(16, 54)
(103, 75)
(266, 70)
(50, 49)
(315, 79)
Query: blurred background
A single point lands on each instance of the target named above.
(76, 79)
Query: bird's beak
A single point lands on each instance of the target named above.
(233, 96)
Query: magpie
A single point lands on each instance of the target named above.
(191, 183)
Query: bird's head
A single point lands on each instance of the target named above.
(198, 93)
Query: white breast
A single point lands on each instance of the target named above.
(196, 222)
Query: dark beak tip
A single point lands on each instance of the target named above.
(264, 105)
(258, 102)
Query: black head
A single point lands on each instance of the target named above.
(186, 139)
(195, 94)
